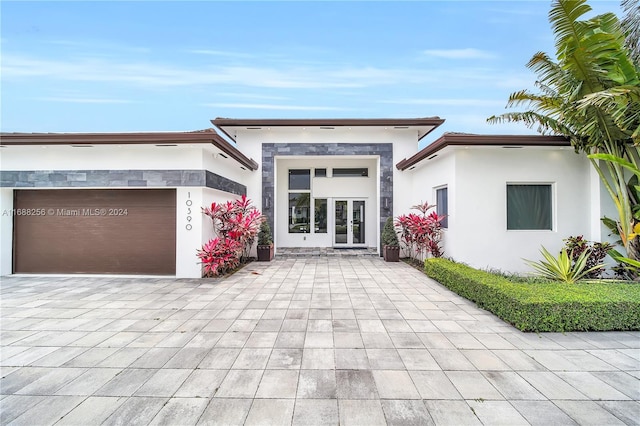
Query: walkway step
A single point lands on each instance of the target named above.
(306, 252)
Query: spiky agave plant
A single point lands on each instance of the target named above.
(562, 268)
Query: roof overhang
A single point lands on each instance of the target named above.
(462, 139)
(424, 126)
(148, 138)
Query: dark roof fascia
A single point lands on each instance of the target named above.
(221, 123)
(449, 139)
(177, 138)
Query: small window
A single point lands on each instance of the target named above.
(299, 213)
(529, 207)
(357, 172)
(442, 205)
(320, 172)
(320, 216)
(299, 179)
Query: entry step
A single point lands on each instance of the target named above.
(294, 252)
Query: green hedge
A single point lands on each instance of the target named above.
(549, 306)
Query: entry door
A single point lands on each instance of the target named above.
(349, 220)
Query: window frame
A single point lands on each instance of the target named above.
(445, 222)
(299, 192)
(326, 215)
(552, 206)
(355, 171)
(308, 173)
(308, 215)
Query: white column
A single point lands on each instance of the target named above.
(189, 231)
(6, 230)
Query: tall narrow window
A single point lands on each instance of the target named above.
(299, 213)
(442, 205)
(299, 201)
(529, 207)
(320, 215)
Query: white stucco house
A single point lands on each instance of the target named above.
(130, 203)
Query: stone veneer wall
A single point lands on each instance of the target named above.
(383, 150)
(118, 178)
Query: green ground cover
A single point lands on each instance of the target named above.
(544, 306)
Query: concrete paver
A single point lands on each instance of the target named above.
(315, 412)
(323, 341)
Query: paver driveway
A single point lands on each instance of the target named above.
(308, 341)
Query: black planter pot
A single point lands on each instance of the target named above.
(265, 253)
(391, 253)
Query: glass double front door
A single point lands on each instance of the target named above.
(349, 222)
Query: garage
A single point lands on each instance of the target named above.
(95, 231)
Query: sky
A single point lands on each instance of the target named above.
(121, 66)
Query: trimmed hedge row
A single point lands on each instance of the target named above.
(551, 306)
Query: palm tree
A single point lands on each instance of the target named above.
(631, 27)
(591, 95)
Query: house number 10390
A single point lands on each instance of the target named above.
(189, 203)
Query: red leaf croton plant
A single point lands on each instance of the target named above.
(237, 224)
(421, 233)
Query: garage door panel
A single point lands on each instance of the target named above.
(96, 231)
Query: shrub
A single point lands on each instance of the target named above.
(237, 220)
(264, 236)
(389, 236)
(421, 233)
(236, 223)
(546, 306)
(219, 256)
(597, 252)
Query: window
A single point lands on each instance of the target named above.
(529, 207)
(299, 179)
(442, 205)
(320, 172)
(320, 215)
(357, 172)
(299, 213)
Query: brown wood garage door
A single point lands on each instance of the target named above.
(112, 231)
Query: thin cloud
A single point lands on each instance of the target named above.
(208, 52)
(94, 45)
(237, 95)
(83, 100)
(468, 53)
(335, 77)
(446, 102)
(160, 75)
(276, 107)
(516, 11)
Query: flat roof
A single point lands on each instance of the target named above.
(151, 138)
(424, 125)
(467, 139)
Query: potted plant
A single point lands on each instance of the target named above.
(265, 242)
(390, 243)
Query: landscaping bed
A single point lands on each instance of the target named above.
(544, 306)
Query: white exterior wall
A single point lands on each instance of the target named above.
(605, 207)
(6, 231)
(482, 238)
(189, 200)
(190, 231)
(425, 179)
(476, 178)
(103, 157)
